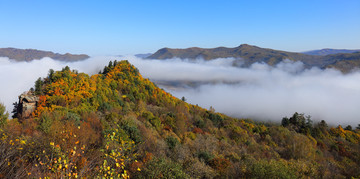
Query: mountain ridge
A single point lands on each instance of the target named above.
(253, 54)
(33, 54)
(329, 51)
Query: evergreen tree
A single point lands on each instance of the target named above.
(15, 110)
(285, 121)
(110, 64)
(38, 85)
(50, 75)
(323, 125)
(183, 99)
(349, 128)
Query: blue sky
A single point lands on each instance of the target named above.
(129, 27)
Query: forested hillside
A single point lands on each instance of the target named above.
(250, 54)
(32, 54)
(329, 51)
(118, 124)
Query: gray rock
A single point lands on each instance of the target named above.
(27, 104)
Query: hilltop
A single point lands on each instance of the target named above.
(252, 54)
(118, 124)
(32, 54)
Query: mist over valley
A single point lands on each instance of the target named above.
(259, 91)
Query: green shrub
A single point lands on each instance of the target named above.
(3, 115)
(45, 123)
(162, 168)
(271, 169)
(132, 131)
(172, 142)
(205, 156)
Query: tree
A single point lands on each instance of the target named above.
(297, 119)
(323, 125)
(110, 64)
(349, 128)
(51, 73)
(309, 122)
(299, 123)
(38, 85)
(15, 110)
(3, 115)
(183, 99)
(285, 121)
(67, 68)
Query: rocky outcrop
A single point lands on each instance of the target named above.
(26, 105)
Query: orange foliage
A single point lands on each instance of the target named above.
(167, 128)
(41, 105)
(220, 164)
(197, 130)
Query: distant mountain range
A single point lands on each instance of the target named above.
(143, 55)
(329, 51)
(342, 59)
(32, 54)
(249, 54)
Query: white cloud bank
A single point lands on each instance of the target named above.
(259, 92)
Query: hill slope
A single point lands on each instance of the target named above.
(118, 124)
(249, 53)
(31, 54)
(329, 51)
(252, 54)
(344, 62)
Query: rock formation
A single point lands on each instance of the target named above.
(27, 104)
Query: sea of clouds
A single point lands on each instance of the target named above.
(259, 92)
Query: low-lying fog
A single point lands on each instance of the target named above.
(260, 92)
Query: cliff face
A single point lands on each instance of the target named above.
(26, 105)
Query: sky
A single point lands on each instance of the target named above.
(131, 27)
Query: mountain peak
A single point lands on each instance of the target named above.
(245, 45)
